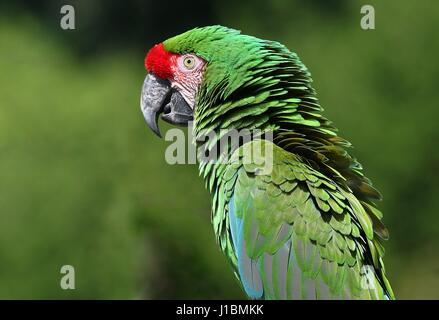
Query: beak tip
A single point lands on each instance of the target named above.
(152, 123)
(158, 134)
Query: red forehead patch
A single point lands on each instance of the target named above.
(158, 61)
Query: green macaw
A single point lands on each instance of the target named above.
(308, 227)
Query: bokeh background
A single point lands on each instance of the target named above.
(84, 182)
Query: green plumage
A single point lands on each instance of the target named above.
(310, 226)
(331, 235)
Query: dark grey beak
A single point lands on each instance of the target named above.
(158, 97)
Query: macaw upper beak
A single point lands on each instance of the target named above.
(159, 97)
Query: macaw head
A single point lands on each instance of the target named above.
(197, 70)
(222, 79)
(171, 86)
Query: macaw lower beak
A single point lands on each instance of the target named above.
(158, 97)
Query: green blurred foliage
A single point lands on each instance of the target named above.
(84, 182)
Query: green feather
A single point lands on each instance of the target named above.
(316, 202)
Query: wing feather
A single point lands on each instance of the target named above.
(296, 234)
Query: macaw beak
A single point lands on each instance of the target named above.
(158, 97)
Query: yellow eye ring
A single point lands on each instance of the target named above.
(189, 62)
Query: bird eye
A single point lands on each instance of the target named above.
(189, 62)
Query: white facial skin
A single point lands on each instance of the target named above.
(188, 70)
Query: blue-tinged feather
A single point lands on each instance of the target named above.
(247, 268)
